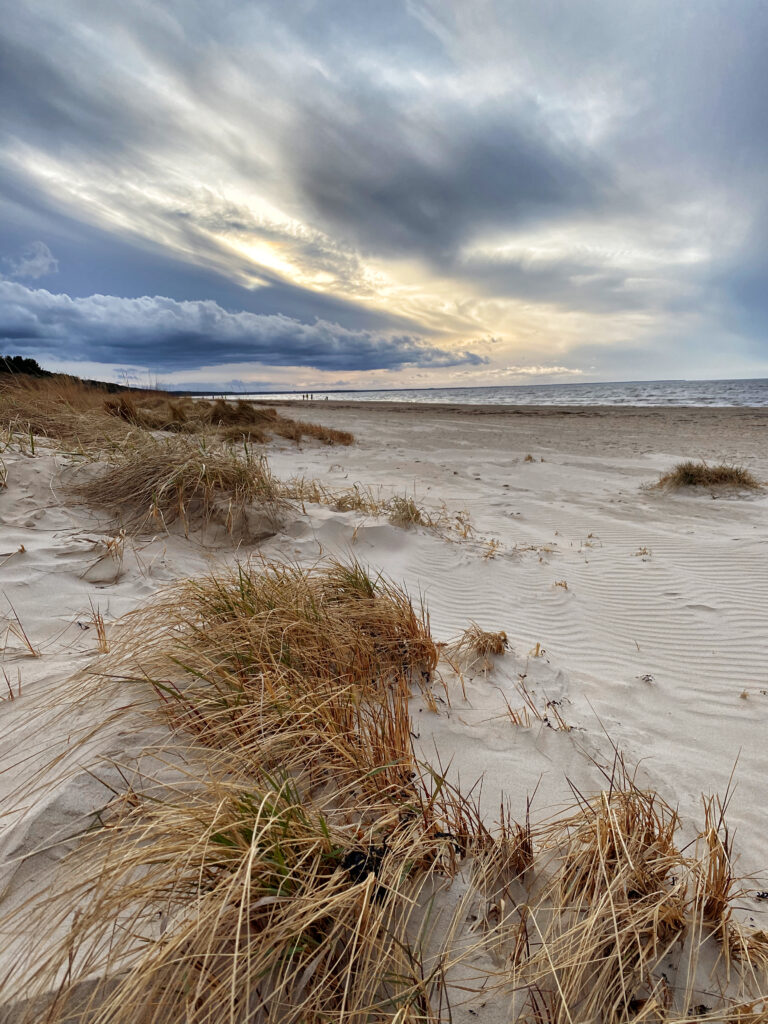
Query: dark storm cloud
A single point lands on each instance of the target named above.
(399, 180)
(166, 335)
(53, 99)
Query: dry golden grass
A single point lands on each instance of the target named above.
(251, 435)
(243, 901)
(301, 866)
(286, 637)
(294, 879)
(86, 417)
(297, 430)
(61, 409)
(700, 474)
(255, 894)
(616, 924)
(402, 511)
(231, 420)
(150, 483)
(476, 646)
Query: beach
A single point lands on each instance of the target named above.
(659, 642)
(634, 616)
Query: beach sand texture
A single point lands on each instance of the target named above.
(636, 618)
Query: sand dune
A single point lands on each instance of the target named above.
(638, 614)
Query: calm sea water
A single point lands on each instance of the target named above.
(656, 392)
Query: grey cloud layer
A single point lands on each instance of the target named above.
(404, 178)
(416, 129)
(167, 335)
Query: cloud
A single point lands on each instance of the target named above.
(393, 173)
(166, 335)
(369, 175)
(36, 260)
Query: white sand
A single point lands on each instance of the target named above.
(662, 653)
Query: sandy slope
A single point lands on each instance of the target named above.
(659, 643)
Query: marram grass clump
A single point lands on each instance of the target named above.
(302, 866)
(287, 660)
(292, 877)
(701, 474)
(151, 483)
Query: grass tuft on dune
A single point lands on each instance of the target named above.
(701, 474)
(151, 482)
(477, 646)
(296, 873)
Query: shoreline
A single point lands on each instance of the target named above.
(461, 408)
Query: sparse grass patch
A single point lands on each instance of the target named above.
(701, 474)
(402, 510)
(491, 547)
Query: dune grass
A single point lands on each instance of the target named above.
(296, 877)
(150, 483)
(701, 474)
(229, 420)
(335, 636)
(61, 409)
(86, 417)
(402, 511)
(305, 867)
(476, 646)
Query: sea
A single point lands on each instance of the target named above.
(644, 393)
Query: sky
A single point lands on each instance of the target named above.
(273, 194)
